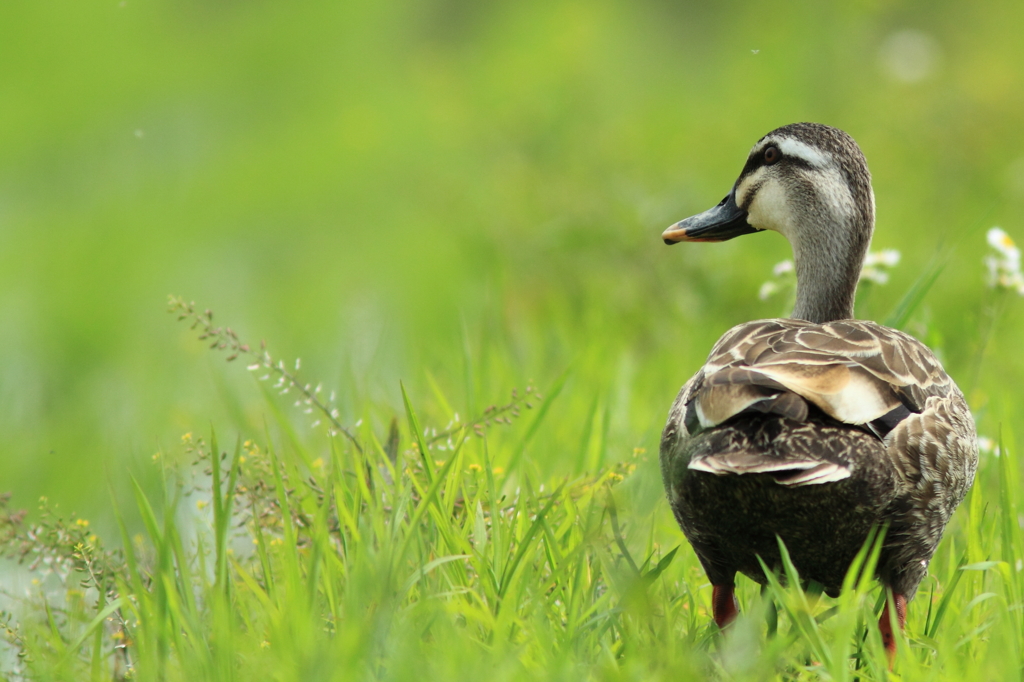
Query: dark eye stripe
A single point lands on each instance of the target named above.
(753, 163)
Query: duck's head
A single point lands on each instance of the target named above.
(810, 183)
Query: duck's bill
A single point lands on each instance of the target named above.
(725, 221)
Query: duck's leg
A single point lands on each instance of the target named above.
(724, 605)
(885, 624)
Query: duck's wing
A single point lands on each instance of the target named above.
(842, 400)
(856, 372)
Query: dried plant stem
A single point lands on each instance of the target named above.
(225, 338)
(502, 414)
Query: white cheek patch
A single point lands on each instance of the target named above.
(804, 152)
(770, 209)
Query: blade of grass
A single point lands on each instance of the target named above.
(223, 502)
(417, 434)
(92, 627)
(947, 596)
(526, 543)
(918, 290)
(542, 412)
(429, 498)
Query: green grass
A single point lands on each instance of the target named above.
(428, 553)
(432, 204)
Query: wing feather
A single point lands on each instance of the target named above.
(853, 370)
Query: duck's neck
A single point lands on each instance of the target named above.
(827, 270)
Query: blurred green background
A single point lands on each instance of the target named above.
(472, 192)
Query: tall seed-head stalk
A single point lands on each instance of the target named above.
(225, 338)
(311, 397)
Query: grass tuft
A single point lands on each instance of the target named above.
(340, 555)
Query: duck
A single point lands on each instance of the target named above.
(820, 429)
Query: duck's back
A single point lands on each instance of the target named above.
(815, 433)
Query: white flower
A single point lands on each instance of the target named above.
(1001, 242)
(875, 269)
(783, 268)
(873, 274)
(768, 289)
(876, 263)
(1004, 266)
(784, 277)
(888, 258)
(987, 446)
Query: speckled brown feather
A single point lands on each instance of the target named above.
(874, 362)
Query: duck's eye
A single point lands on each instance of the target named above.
(771, 155)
